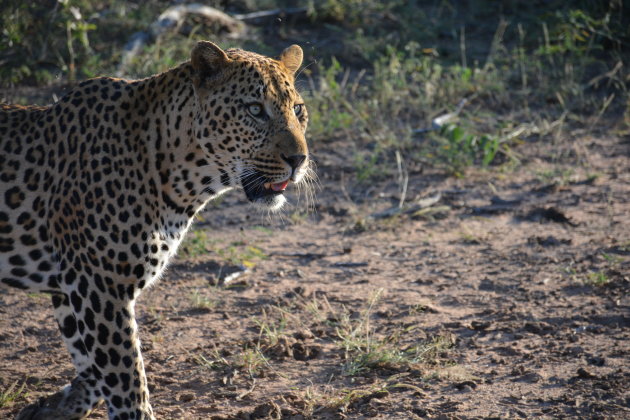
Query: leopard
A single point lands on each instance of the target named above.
(99, 188)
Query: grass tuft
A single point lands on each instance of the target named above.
(365, 351)
(12, 393)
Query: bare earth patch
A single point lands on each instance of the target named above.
(509, 300)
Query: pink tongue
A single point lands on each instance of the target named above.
(280, 186)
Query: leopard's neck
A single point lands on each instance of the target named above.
(186, 178)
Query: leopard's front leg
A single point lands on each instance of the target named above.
(77, 399)
(100, 330)
(111, 339)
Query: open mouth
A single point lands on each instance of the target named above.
(256, 190)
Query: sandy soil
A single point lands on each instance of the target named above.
(524, 280)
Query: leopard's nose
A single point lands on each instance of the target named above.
(294, 161)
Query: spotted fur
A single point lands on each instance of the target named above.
(98, 190)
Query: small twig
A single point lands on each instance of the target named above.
(404, 385)
(497, 39)
(429, 201)
(270, 13)
(408, 209)
(439, 121)
(71, 64)
(357, 83)
(344, 190)
(608, 75)
(403, 178)
(249, 391)
(603, 109)
(309, 255)
(430, 211)
(462, 46)
(349, 264)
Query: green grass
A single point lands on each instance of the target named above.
(212, 362)
(456, 150)
(597, 278)
(249, 360)
(12, 393)
(394, 66)
(365, 350)
(252, 360)
(195, 244)
(240, 252)
(200, 301)
(539, 65)
(271, 330)
(341, 399)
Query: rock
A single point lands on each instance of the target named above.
(186, 397)
(596, 361)
(531, 377)
(466, 386)
(266, 410)
(585, 374)
(539, 328)
(480, 325)
(304, 334)
(303, 352)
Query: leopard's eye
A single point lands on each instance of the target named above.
(256, 110)
(298, 109)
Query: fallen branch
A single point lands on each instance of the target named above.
(172, 19)
(414, 209)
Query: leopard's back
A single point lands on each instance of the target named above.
(27, 260)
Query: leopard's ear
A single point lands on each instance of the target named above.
(208, 60)
(292, 57)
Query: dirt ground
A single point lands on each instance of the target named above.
(522, 277)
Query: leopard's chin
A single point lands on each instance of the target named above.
(270, 203)
(266, 195)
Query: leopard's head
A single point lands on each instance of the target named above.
(250, 120)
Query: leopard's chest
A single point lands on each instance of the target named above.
(162, 246)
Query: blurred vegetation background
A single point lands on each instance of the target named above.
(376, 73)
